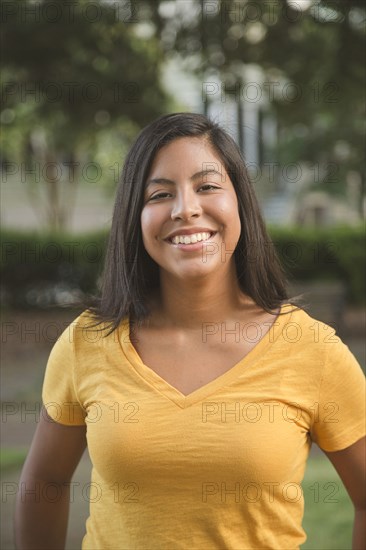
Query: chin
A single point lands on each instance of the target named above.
(192, 273)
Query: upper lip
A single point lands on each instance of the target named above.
(189, 231)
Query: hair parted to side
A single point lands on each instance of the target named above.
(130, 274)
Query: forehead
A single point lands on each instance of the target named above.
(187, 154)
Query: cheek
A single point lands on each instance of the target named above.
(152, 220)
(229, 209)
(147, 225)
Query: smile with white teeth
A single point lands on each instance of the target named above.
(190, 239)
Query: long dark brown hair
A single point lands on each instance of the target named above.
(130, 274)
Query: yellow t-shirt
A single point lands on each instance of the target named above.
(220, 468)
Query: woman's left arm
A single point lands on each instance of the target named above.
(350, 464)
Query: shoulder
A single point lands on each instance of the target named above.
(299, 326)
(86, 332)
(317, 346)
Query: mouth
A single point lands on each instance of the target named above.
(191, 239)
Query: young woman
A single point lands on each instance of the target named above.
(195, 383)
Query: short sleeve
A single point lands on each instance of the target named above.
(339, 416)
(59, 393)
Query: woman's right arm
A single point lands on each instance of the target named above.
(42, 505)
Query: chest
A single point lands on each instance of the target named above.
(190, 362)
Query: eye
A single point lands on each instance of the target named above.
(208, 187)
(158, 196)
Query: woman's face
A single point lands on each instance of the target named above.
(190, 221)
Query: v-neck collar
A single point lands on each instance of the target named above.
(172, 393)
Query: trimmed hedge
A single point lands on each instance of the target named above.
(42, 270)
(337, 254)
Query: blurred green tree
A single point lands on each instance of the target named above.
(74, 76)
(308, 61)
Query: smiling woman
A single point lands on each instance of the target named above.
(199, 385)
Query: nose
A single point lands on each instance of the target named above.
(186, 205)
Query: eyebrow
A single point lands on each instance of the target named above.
(195, 176)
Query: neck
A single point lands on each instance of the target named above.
(188, 304)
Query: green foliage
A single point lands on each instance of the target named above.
(41, 270)
(324, 254)
(77, 74)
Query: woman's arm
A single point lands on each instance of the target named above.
(350, 464)
(42, 504)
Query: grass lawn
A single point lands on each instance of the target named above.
(12, 458)
(328, 514)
